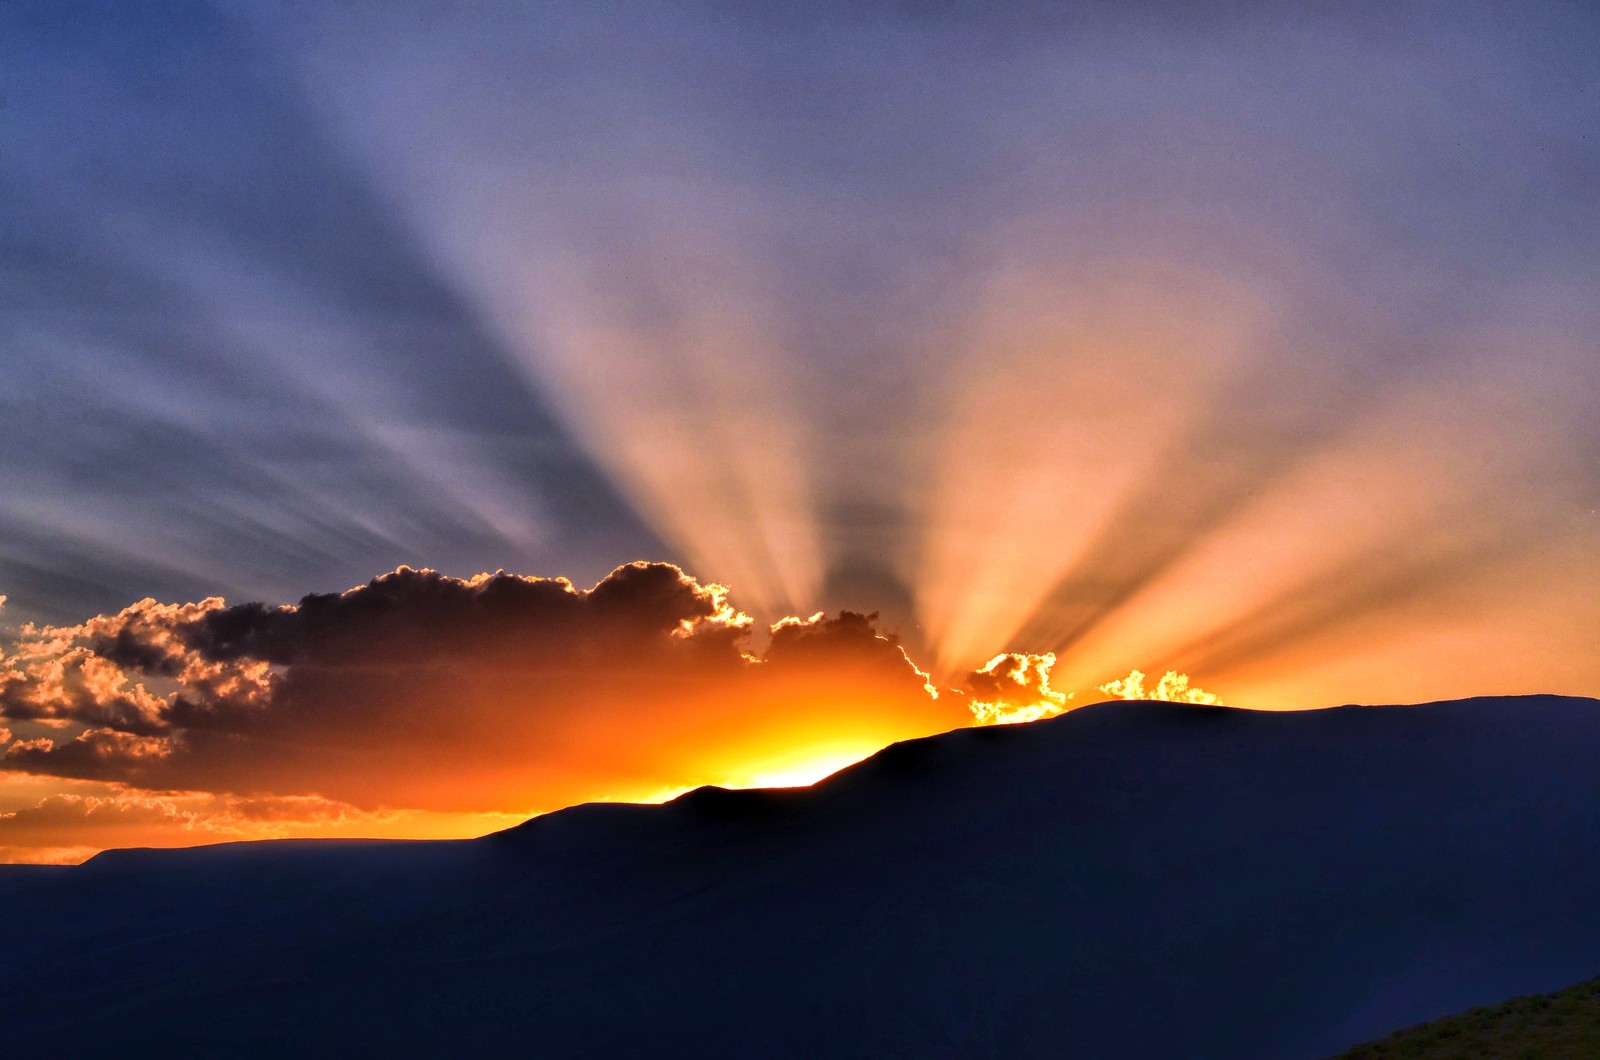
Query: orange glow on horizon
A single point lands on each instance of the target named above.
(795, 755)
(800, 767)
(662, 688)
(791, 741)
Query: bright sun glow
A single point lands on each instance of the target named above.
(799, 768)
(802, 766)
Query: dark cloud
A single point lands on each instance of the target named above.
(851, 636)
(94, 754)
(413, 617)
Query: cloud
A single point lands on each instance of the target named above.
(81, 673)
(1172, 688)
(1012, 688)
(852, 639)
(420, 691)
(94, 754)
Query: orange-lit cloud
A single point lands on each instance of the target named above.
(1172, 688)
(1014, 688)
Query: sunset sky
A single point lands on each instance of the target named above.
(817, 376)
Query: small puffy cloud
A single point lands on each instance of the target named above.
(1172, 688)
(1012, 688)
(81, 673)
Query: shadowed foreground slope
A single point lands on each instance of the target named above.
(1128, 880)
(1564, 1025)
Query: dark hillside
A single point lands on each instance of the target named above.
(1128, 880)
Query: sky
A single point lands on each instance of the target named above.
(816, 376)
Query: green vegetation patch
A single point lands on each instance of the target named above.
(1560, 1026)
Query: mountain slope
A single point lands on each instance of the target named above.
(1128, 880)
(1564, 1025)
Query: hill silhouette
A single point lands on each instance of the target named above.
(1126, 880)
(1564, 1025)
